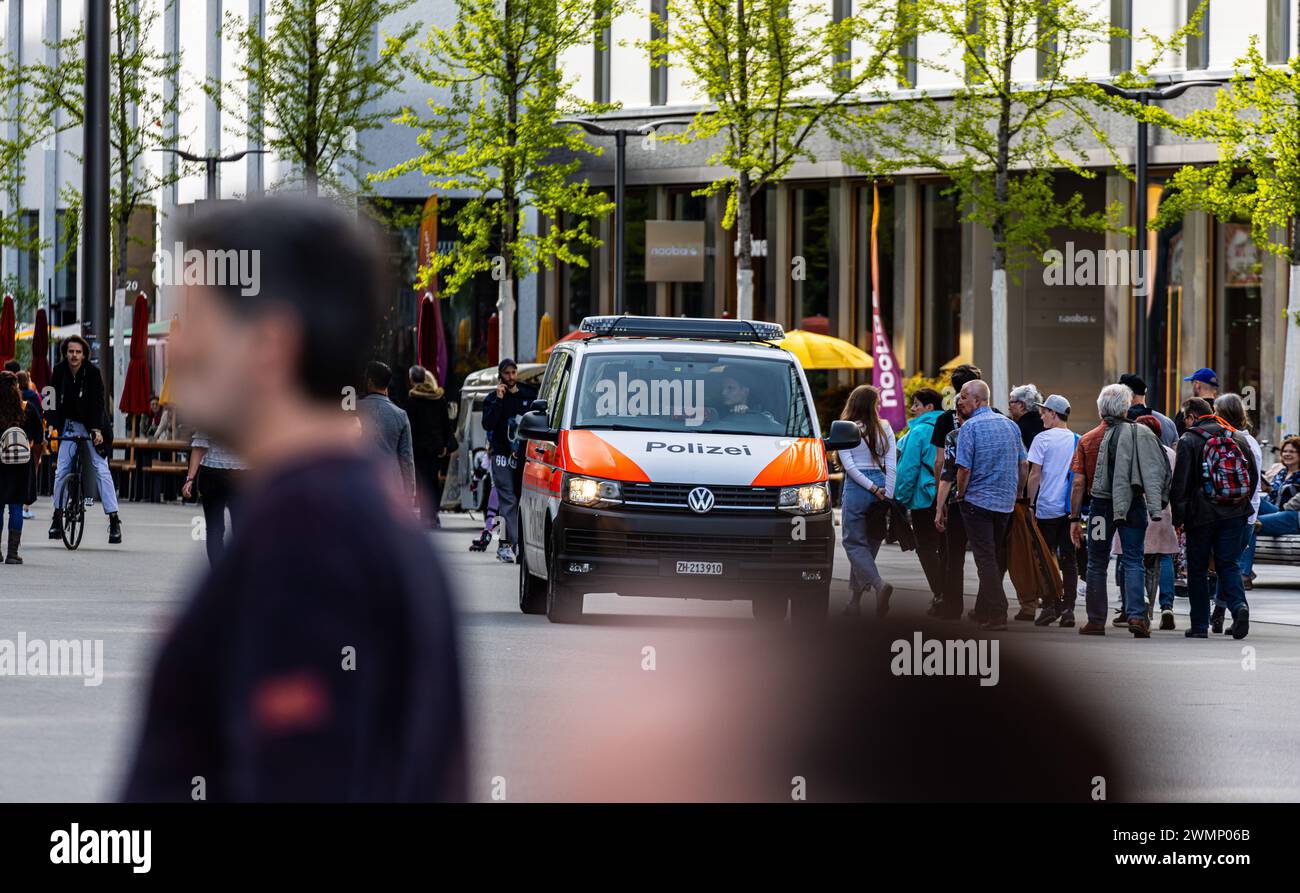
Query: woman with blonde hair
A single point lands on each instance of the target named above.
(431, 439)
(869, 470)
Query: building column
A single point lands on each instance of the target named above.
(840, 306)
(1196, 324)
(907, 280)
(255, 170)
(976, 338)
(526, 301)
(49, 155)
(780, 249)
(661, 295)
(1118, 306)
(1274, 298)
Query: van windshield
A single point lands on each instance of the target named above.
(691, 392)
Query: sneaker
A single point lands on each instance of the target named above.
(994, 624)
(1241, 623)
(1026, 614)
(1046, 617)
(505, 554)
(28, 514)
(1067, 618)
(882, 599)
(1092, 629)
(1120, 618)
(1082, 589)
(1195, 634)
(1140, 627)
(1167, 619)
(1216, 619)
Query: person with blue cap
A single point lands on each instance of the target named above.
(1205, 384)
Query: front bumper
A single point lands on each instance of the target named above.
(636, 552)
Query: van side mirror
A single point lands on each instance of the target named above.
(536, 426)
(538, 406)
(844, 435)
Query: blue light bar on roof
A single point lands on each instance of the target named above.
(682, 327)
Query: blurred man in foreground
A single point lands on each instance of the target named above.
(317, 659)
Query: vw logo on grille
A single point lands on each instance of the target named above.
(700, 500)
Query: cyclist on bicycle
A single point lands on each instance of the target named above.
(80, 410)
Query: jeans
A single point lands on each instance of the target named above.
(1224, 539)
(217, 493)
(503, 482)
(1099, 533)
(15, 517)
(1166, 582)
(99, 469)
(1057, 533)
(860, 548)
(954, 562)
(987, 532)
(929, 548)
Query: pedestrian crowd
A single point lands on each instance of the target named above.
(1177, 503)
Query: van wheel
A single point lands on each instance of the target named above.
(769, 609)
(808, 610)
(532, 590)
(563, 603)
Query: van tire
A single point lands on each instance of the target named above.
(563, 603)
(532, 590)
(769, 609)
(809, 610)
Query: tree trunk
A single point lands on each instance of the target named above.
(1000, 384)
(745, 258)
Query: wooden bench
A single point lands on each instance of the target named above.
(1278, 549)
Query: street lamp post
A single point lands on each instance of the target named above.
(620, 136)
(1144, 97)
(94, 185)
(210, 163)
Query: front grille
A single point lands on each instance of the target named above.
(673, 496)
(635, 545)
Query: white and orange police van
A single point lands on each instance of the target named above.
(681, 458)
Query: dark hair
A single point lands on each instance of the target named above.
(863, 409)
(75, 339)
(13, 366)
(1197, 407)
(417, 374)
(1151, 422)
(315, 261)
(24, 380)
(928, 397)
(378, 375)
(11, 401)
(964, 375)
(1134, 383)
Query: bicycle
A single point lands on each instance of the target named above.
(74, 497)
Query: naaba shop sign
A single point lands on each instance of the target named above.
(674, 251)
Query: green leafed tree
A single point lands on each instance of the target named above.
(1255, 122)
(313, 79)
(997, 135)
(139, 108)
(26, 123)
(489, 131)
(774, 74)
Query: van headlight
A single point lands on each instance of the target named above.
(592, 492)
(810, 499)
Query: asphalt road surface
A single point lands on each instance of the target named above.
(552, 707)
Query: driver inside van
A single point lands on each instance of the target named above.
(735, 399)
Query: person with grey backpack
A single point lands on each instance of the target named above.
(21, 435)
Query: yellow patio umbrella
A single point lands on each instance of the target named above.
(545, 335)
(954, 363)
(165, 395)
(816, 351)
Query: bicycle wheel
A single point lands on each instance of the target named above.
(74, 512)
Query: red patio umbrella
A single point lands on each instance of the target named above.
(430, 346)
(493, 340)
(8, 330)
(137, 389)
(575, 335)
(41, 352)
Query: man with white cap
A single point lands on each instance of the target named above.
(1050, 483)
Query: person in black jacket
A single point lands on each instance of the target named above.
(502, 407)
(426, 406)
(1209, 526)
(81, 410)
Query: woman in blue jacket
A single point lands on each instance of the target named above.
(915, 485)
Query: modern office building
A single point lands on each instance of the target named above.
(1213, 297)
